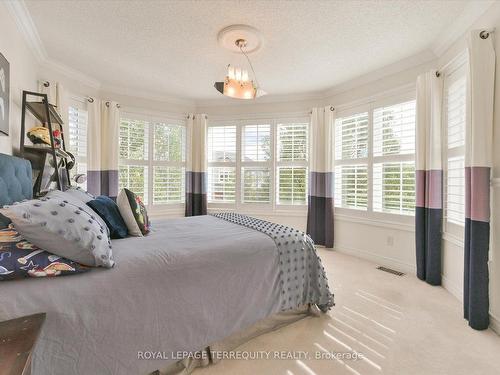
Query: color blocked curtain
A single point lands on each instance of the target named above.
(104, 137)
(321, 176)
(429, 178)
(196, 173)
(94, 147)
(478, 161)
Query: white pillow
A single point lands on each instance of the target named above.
(63, 229)
(127, 215)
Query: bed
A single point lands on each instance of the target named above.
(192, 284)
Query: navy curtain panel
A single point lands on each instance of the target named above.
(320, 195)
(478, 160)
(103, 139)
(428, 225)
(196, 174)
(429, 178)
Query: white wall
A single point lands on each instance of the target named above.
(23, 75)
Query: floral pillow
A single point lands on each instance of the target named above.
(20, 258)
(133, 213)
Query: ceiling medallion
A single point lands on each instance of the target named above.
(237, 83)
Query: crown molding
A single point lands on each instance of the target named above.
(27, 27)
(471, 13)
(414, 61)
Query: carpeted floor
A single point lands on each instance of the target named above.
(400, 325)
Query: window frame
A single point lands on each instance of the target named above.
(150, 163)
(258, 208)
(397, 96)
(452, 73)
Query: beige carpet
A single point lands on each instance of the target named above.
(401, 325)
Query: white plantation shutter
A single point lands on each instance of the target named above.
(293, 141)
(292, 185)
(394, 158)
(394, 129)
(256, 185)
(455, 96)
(256, 143)
(455, 190)
(351, 145)
(222, 184)
(351, 137)
(351, 186)
(222, 144)
(77, 142)
(221, 164)
(168, 184)
(153, 160)
(292, 163)
(394, 187)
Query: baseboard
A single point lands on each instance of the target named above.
(495, 324)
(453, 288)
(377, 258)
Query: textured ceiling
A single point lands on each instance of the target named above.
(170, 47)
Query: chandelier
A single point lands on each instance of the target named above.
(237, 83)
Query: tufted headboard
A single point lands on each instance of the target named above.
(15, 179)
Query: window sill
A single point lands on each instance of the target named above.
(390, 221)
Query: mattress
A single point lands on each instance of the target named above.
(191, 282)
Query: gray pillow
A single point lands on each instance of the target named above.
(74, 196)
(80, 194)
(63, 229)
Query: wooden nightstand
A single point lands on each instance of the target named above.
(17, 340)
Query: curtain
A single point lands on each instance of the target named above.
(478, 161)
(196, 173)
(94, 147)
(103, 137)
(321, 176)
(429, 178)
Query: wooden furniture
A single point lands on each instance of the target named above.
(17, 340)
(46, 113)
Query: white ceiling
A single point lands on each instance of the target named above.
(170, 47)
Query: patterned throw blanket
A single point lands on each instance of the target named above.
(302, 276)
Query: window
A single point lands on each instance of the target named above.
(375, 158)
(351, 161)
(394, 158)
(222, 164)
(455, 94)
(258, 163)
(153, 159)
(292, 163)
(77, 142)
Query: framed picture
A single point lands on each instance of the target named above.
(4, 95)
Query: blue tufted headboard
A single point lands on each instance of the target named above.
(15, 179)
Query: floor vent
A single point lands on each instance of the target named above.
(394, 272)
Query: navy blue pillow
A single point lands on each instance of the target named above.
(107, 209)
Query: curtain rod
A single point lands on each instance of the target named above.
(332, 108)
(483, 34)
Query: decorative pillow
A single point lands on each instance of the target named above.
(74, 196)
(20, 258)
(79, 193)
(63, 229)
(134, 213)
(107, 209)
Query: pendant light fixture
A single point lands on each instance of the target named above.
(237, 83)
